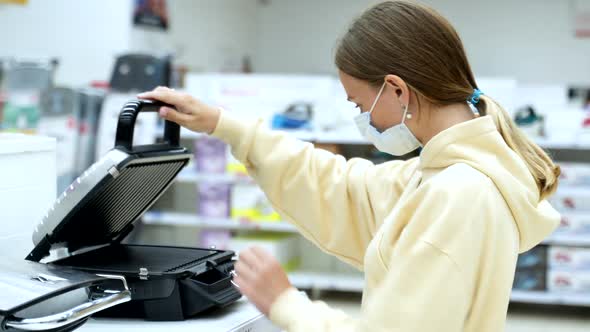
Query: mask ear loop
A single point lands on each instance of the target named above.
(377, 98)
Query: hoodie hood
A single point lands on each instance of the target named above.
(478, 144)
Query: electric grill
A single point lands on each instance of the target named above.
(85, 228)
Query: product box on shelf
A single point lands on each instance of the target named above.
(530, 279)
(571, 199)
(569, 258)
(575, 224)
(568, 281)
(574, 174)
(249, 202)
(234, 166)
(284, 247)
(214, 200)
(531, 270)
(210, 155)
(535, 258)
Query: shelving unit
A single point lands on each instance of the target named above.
(327, 281)
(562, 151)
(539, 297)
(354, 138)
(317, 281)
(183, 219)
(568, 240)
(195, 177)
(334, 137)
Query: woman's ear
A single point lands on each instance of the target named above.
(400, 88)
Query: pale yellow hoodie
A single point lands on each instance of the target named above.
(437, 236)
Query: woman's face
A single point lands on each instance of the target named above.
(389, 107)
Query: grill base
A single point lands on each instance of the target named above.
(181, 283)
(128, 259)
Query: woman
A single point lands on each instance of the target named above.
(437, 236)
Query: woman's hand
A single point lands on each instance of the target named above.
(190, 112)
(260, 278)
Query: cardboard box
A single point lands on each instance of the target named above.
(569, 258)
(249, 202)
(210, 155)
(574, 174)
(214, 200)
(575, 224)
(533, 259)
(571, 199)
(568, 281)
(530, 279)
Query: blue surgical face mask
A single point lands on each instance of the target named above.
(397, 140)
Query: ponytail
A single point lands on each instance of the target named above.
(545, 172)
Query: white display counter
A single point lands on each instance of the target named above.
(238, 317)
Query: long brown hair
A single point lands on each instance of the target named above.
(417, 44)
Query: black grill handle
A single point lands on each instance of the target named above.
(126, 124)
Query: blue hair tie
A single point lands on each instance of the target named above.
(474, 99)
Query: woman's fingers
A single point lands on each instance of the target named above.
(260, 253)
(260, 278)
(190, 112)
(175, 116)
(244, 271)
(169, 96)
(249, 258)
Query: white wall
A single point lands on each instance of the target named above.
(87, 35)
(206, 35)
(299, 36)
(531, 40)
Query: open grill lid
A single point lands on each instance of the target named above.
(102, 204)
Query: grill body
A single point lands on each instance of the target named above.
(85, 226)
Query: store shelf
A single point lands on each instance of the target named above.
(328, 137)
(561, 144)
(355, 283)
(353, 137)
(184, 219)
(348, 137)
(327, 281)
(541, 297)
(194, 176)
(568, 240)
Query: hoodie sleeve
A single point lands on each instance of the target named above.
(413, 297)
(332, 202)
(425, 287)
